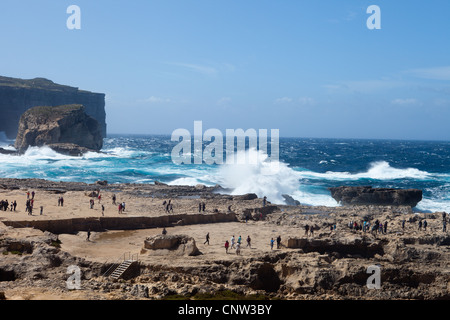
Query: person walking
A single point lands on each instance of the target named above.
(271, 243)
(88, 235)
(249, 240)
(238, 249)
(227, 245)
(207, 239)
(232, 242)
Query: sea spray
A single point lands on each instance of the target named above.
(260, 176)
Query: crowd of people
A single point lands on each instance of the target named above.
(5, 205)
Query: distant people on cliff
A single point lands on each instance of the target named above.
(264, 201)
(120, 208)
(60, 202)
(114, 199)
(91, 203)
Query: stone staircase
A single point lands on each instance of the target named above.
(117, 270)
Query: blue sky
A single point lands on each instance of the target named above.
(308, 68)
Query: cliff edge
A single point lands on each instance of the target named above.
(18, 95)
(67, 129)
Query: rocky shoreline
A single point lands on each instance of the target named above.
(332, 262)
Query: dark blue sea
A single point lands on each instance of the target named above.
(305, 171)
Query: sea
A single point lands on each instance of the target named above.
(305, 169)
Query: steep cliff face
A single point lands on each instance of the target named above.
(64, 127)
(18, 95)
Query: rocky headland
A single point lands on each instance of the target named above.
(323, 253)
(18, 95)
(66, 129)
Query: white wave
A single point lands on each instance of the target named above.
(433, 205)
(380, 170)
(260, 176)
(125, 152)
(314, 199)
(186, 181)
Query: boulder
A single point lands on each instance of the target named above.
(184, 245)
(64, 128)
(367, 195)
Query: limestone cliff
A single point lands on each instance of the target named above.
(66, 128)
(18, 95)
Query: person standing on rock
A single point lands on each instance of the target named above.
(420, 225)
(207, 239)
(444, 226)
(103, 210)
(88, 235)
(425, 224)
(114, 199)
(199, 207)
(278, 242)
(385, 227)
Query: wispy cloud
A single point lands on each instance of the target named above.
(154, 100)
(205, 69)
(197, 68)
(283, 100)
(434, 73)
(405, 102)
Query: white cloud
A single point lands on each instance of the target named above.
(154, 99)
(405, 102)
(435, 73)
(224, 101)
(283, 100)
(307, 101)
(205, 69)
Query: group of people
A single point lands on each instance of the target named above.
(236, 244)
(201, 207)
(168, 206)
(4, 205)
(364, 226)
